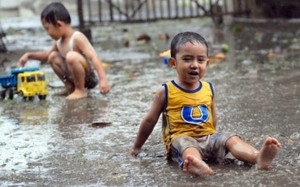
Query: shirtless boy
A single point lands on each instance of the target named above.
(72, 57)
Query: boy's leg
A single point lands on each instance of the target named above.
(58, 65)
(245, 152)
(185, 152)
(75, 63)
(193, 162)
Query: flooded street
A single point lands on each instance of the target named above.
(52, 142)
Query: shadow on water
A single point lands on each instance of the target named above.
(52, 143)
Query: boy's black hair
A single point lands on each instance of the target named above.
(184, 37)
(54, 12)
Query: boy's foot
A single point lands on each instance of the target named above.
(77, 94)
(63, 92)
(267, 153)
(193, 165)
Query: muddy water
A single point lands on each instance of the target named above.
(52, 143)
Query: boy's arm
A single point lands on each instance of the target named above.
(38, 55)
(149, 121)
(87, 49)
(214, 113)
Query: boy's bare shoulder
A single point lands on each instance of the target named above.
(79, 36)
(81, 42)
(161, 92)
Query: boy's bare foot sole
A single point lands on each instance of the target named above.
(63, 92)
(77, 94)
(195, 166)
(267, 153)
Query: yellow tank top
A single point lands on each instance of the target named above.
(187, 112)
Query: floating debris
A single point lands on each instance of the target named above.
(164, 36)
(218, 57)
(225, 48)
(165, 53)
(143, 37)
(100, 124)
(273, 56)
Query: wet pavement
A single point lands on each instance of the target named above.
(52, 142)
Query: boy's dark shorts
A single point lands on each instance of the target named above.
(212, 147)
(91, 80)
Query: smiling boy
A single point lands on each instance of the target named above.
(190, 121)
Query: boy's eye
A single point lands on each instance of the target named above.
(186, 58)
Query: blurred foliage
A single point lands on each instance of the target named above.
(236, 28)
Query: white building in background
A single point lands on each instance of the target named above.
(13, 8)
(28, 8)
(9, 5)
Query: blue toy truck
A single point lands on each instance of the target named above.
(26, 82)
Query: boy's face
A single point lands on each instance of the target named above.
(190, 62)
(52, 30)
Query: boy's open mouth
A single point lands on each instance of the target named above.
(194, 73)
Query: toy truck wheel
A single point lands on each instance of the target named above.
(10, 94)
(22, 95)
(42, 97)
(2, 94)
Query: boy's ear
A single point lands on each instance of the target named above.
(59, 23)
(172, 62)
(207, 61)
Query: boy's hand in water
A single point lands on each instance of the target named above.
(135, 152)
(104, 87)
(23, 60)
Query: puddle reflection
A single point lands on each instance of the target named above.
(52, 143)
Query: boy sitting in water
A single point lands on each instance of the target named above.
(72, 57)
(189, 115)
